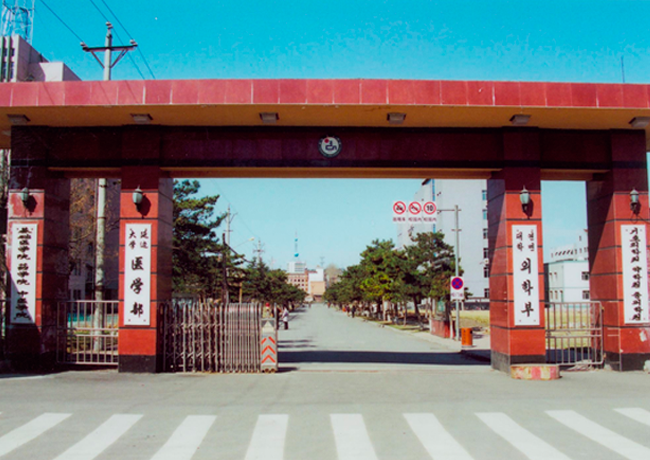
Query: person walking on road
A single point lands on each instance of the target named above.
(285, 318)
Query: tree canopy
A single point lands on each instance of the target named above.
(421, 270)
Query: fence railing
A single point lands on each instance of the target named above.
(574, 333)
(203, 336)
(87, 332)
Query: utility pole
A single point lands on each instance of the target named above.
(456, 253)
(107, 65)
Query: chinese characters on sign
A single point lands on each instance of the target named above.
(23, 273)
(137, 275)
(526, 275)
(635, 274)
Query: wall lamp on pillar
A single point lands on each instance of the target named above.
(24, 197)
(635, 205)
(137, 197)
(524, 197)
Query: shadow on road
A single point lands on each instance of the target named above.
(377, 357)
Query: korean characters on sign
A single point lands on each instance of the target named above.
(137, 275)
(526, 275)
(23, 273)
(635, 274)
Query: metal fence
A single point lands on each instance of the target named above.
(574, 334)
(87, 332)
(207, 337)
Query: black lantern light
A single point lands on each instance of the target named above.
(137, 197)
(635, 206)
(24, 196)
(524, 197)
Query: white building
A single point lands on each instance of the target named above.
(296, 267)
(471, 198)
(567, 272)
(21, 62)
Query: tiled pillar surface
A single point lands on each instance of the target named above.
(140, 342)
(517, 331)
(626, 340)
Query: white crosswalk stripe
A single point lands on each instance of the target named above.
(100, 439)
(523, 440)
(184, 442)
(435, 439)
(603, 436)
(635, 413)
(268, 438)
(351, 437)
(29, 431)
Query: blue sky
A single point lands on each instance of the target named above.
(575, 41)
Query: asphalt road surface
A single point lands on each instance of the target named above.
(335, 403)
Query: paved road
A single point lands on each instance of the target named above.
(321, 339)
(412, 413)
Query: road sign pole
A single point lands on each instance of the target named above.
(456, 260)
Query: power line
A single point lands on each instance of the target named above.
(62, 21)
(131, 37)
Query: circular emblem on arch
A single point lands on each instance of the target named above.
(330, 146)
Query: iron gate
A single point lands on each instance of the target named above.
(206, 337)
(574, 334)
(86, 332)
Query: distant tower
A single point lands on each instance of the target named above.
(17, 18)
(295, 247)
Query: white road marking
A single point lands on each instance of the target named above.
(523, 440)
(351, 437)
(29, 431)
(100, 439)
(640, 415)
(603, 436)
(184, 442)
(435, 439)
(268, 438)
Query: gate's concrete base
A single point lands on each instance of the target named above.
(535, 371)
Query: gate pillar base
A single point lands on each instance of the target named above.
(139, 364)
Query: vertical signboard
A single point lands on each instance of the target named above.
(526, 275)
(635, 274)
(137, 275)
(23, 273)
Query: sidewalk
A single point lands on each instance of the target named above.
(480, 348)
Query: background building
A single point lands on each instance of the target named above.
(567, 272)
(471, 198)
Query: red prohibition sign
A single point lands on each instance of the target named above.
(399, 207)
(457, 283)
(429, 208)
(415, 207)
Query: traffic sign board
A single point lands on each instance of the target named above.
(399, 208)
(457, 288)
(429, 208)
(399, 211)
(415, 208)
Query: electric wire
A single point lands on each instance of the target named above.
(130, 36)
(118, 35)
(62, 21)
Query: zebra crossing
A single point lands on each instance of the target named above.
(352, 436)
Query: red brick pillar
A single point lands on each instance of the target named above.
(626, 338)
(515, 238)
(37, 256)
(145, 266)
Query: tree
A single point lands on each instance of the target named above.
(196, 248)
(262, 284)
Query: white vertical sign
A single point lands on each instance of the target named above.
(525, 271)
(137, 275)
(24, 242)
(635, 274)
